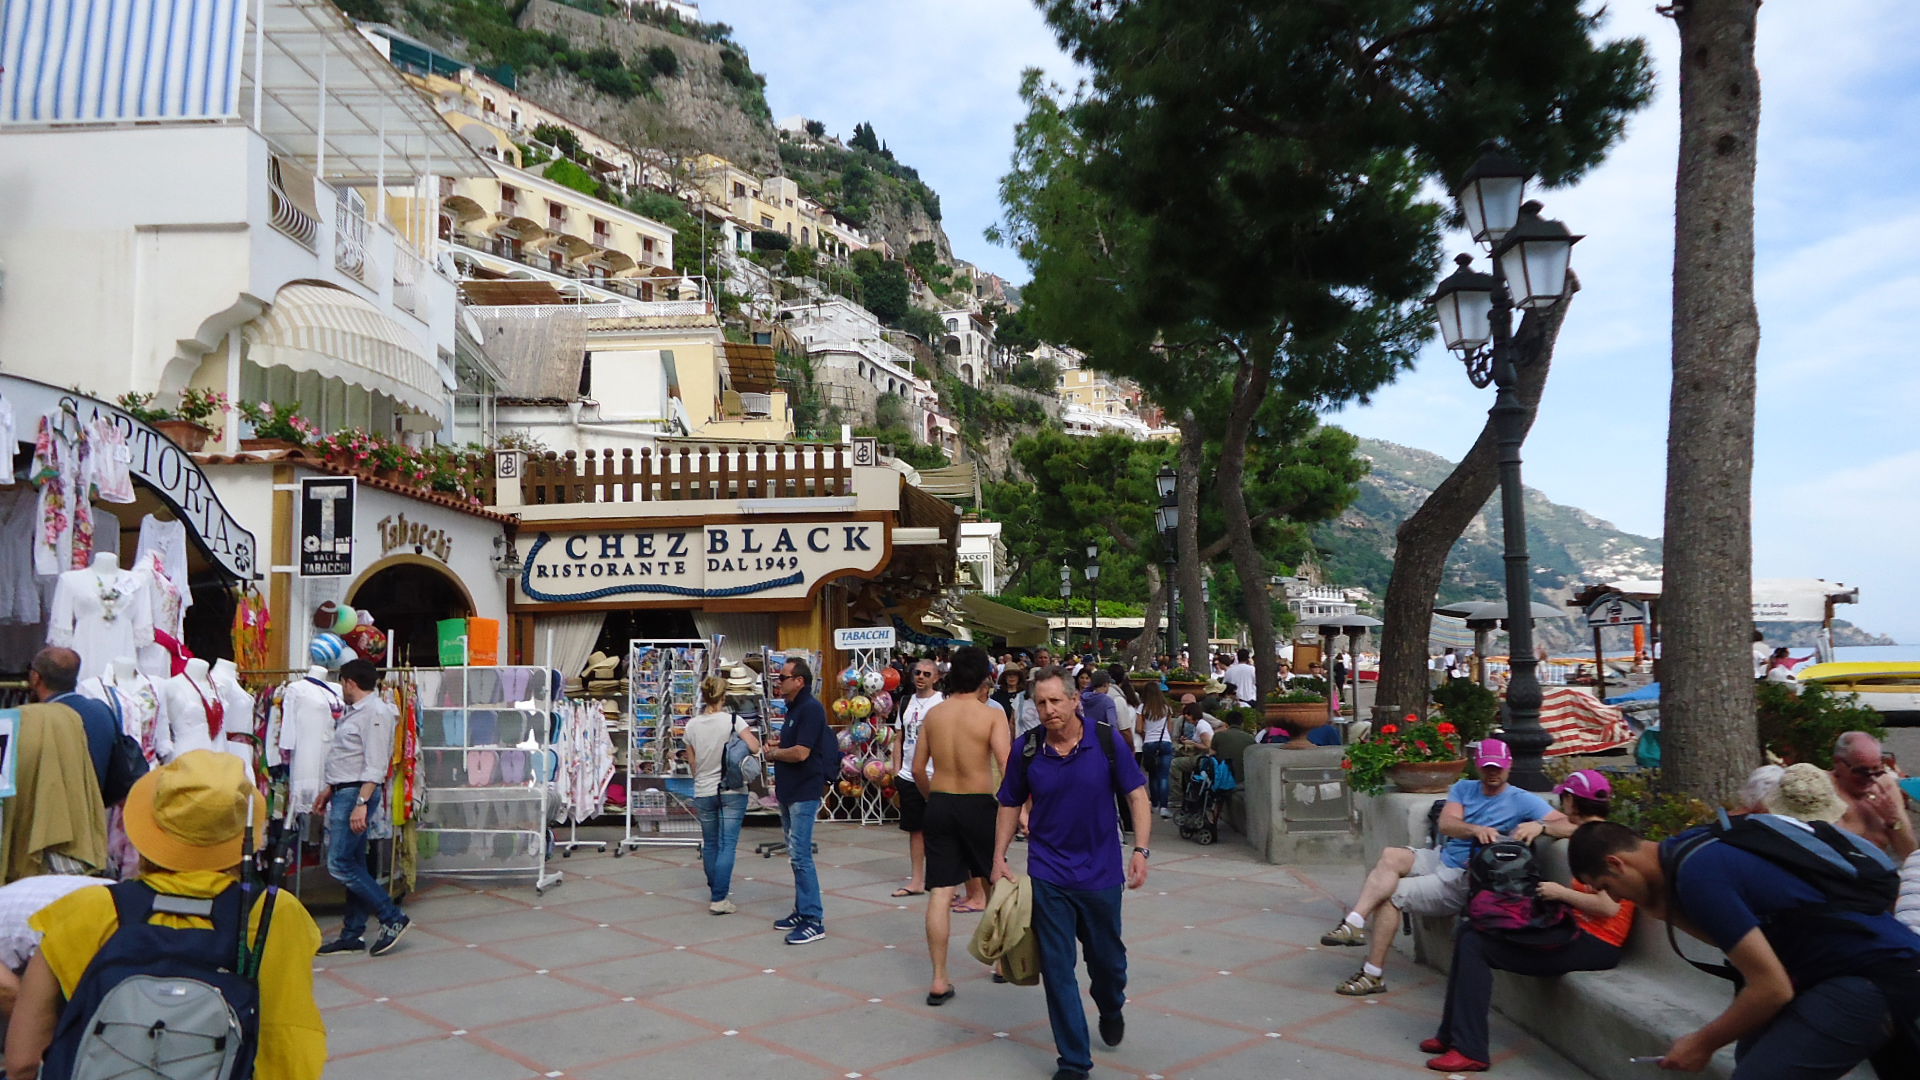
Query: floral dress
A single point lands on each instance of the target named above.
(62, 470)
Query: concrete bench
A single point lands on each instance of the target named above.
(1598, 1019)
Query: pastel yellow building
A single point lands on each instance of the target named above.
(774, 204)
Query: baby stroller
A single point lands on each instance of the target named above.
(1206, 790)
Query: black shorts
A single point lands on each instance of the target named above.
(913, 806)
(959, 837)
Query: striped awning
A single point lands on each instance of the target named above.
(68, 60)
(336, 334)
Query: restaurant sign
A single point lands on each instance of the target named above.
(765, 560)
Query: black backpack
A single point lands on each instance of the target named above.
(1854, 875)
(155, 1001)
(126, 764)
(1505, 902)
(1103, 737)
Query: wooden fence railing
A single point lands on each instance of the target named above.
(680, 473)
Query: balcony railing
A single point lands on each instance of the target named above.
(410, 271)
(350, 235)
(502, 249)
(681, 473)
(289, 219)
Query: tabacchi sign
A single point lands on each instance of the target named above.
(772, 560)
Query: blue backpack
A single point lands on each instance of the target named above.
(158, 1002)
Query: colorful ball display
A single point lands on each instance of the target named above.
(846, 741)
(877, 771)
(882, 736)
(890, 679)
(327, 650)
(369, 641)
(861, 707)
(873, 682)
(861, 732)
(883, 704)
(840, 708)
(850, 767)
(849, 789)
(345, 621)
(850, 677)
(326, 615)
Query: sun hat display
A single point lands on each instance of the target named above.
(190, 813)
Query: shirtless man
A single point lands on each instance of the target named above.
(963, 740)
(1875, 806)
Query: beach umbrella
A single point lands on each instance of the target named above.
(1496, 611)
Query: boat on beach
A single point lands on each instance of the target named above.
(1889, 687)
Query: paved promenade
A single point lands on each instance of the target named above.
(619, 972)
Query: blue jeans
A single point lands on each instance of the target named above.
(796, 820)
(720, 817)
(1060, 917)
(1157, 757)
(1825, 1031)
(347, 862)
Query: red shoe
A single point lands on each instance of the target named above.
(1433, 1046)
(1455, 1061)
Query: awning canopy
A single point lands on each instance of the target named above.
(334, 333)
(960, 481)
(1018, 627)
(751, 368)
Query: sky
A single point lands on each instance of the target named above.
(1837, 458)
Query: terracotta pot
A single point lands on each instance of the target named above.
(1426, 777)
(1178, 688)
(192, 437)
(267, 444)
(1299, 718)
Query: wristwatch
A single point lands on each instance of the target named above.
(361, 802)
(1143, 852)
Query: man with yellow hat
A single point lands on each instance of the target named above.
(188, 821)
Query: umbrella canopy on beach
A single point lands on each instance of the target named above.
(1496, 611)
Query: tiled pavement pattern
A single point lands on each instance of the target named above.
(620, 972)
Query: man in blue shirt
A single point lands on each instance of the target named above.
(1823, 989)
(806, 755)
(51, 677)
(1073, 856)
(1430, 881)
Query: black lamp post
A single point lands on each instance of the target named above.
(1166, 517)
(1093, 583)
(1066, 600)
(1475, 312)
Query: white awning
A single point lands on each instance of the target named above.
(336, 334)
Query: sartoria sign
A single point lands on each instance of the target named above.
(771, 560)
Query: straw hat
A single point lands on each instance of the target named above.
(1806, 792)
(742, 680)
(190, 814)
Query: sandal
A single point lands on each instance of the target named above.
(899, 893)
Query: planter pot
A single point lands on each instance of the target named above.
(1426, 777)
(268, 444)
(1178, 688)
(192, 437)
(1299, 718)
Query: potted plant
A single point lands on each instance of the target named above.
(1417, 756)
(1183, 681)
(1471, 708)
(276, 426)
(1299, 710)
(188, 424)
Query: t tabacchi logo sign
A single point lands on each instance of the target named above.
(766, 560)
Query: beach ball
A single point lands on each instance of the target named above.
(862, 732)
(882, 736)
(850, 766)
(326, 615)
(873, 682)
(883, 704)
(369, 641)
(840, 708)
(345, 621)
(846, 741)
(877, 771)
(890, 679)
(862, 707)
(327, 650)
(849, 789)
(851, 676)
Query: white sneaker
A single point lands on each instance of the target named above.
(722, 907)
(1165, 813)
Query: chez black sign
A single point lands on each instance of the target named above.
(764, 560)
(158, 462)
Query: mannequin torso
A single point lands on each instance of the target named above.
(192, 701)
(238, 706)
(310, 706)
(101, 612)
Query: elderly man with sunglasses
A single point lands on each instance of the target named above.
(1875, 807)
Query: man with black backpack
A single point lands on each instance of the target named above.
(1826, 977)
(1072, 769)
(188, 965)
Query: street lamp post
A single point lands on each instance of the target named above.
(1166, 517)
(1066, 601)
(1475, 312)
(1093, 583)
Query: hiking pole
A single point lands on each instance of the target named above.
(248, 872)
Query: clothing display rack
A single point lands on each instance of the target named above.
(488, 764)
(585, 759)
(663, 692)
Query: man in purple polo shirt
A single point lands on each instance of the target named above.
(1073, 855)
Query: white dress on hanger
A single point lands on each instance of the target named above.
(142, 709)
(169, 538)
(100, 616)
(309, 709)
(112, 464)
(168, 604)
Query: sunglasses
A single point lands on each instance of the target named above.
(1865, 773)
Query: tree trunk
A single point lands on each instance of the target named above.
(1250, 387)
(1193, 610)
(1708, 732)
(1423, 541)
(1140, 653)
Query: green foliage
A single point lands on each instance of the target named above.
(1011, 327)
(1313, 683)
(751, 88)
(1367, 761)
(496, 40)
(770, 240)
(1469, 706)
(890, 411)
(924, 325)
(1641, 805)
(363, 10)
(1040, 376)
(883, 285)
(1803, 725)
(900, 442)
(851, 182)
(674, 214)
(566, 173)
(816, 129)
(560, 138)
(864, 138)
(1298, 696)
(663, 60)
(1082, 605)
(801, 261)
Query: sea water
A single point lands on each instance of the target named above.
(1874, 654)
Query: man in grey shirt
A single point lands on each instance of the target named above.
(355, 771)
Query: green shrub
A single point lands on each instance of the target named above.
(663, 60)
(1469, 706)
(1803, 725)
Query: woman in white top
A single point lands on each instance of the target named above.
(1156, 744)
(720, 811)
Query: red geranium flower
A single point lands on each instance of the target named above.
(1447, 729)
(1389, 729)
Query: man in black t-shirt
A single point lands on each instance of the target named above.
(804, 753)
